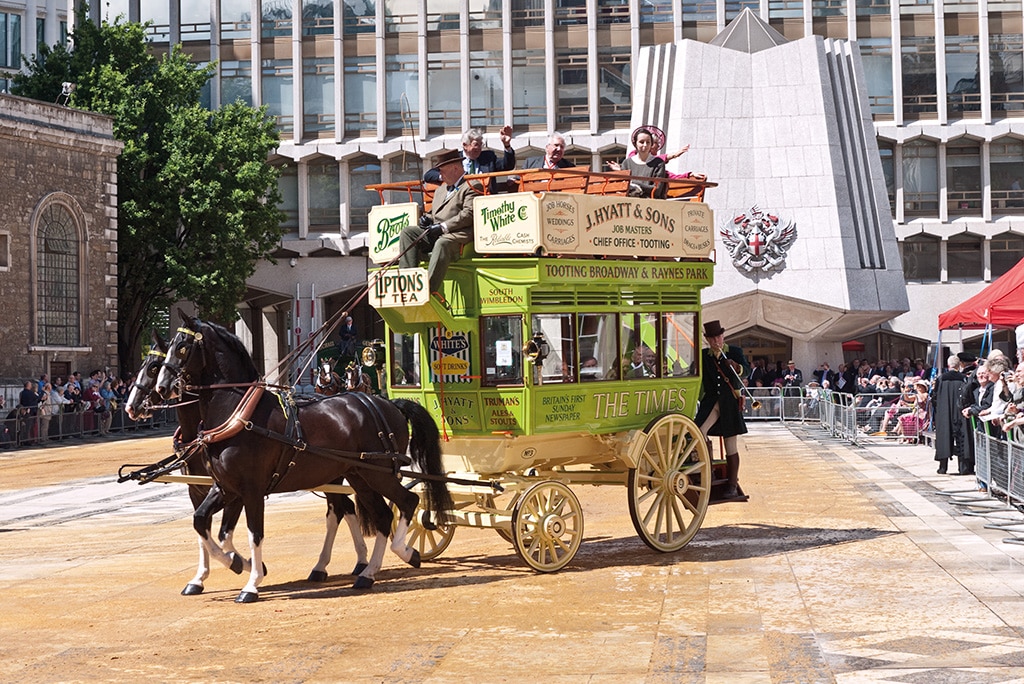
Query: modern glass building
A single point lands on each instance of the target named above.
(364, 90)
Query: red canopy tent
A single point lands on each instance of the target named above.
(1000, 305)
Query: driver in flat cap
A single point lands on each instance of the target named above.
(447, 227)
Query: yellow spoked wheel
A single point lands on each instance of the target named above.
(429, 539)
(547, 526)
(670, 487)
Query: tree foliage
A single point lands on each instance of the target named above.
(197, 199)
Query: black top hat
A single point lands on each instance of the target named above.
(713, 329)
(967, 357)
(447, 157)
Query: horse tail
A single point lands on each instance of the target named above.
(425, 449)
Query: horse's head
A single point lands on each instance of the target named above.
(185, 359)
(204, 353)
(142, 393)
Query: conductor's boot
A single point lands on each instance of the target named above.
(732, 474)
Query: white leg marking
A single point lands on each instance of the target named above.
(256, 572)
(398, 544)
(329, 537)
(380, 545)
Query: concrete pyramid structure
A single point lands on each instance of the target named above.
(784, 128)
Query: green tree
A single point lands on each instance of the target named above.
(197, 199)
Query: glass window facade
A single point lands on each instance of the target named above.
(360, 94)
(276, 21)
(528, 101)
(363, 171)
(876, 56)
(317, 17)
(1006, 250)
(1006, 73)
(573, 110)
(236, 82)
(921, 178)
(917, 59)
(235, 19)
(486, 88)
(288, 184)
(195, 20)
(963, 80)
(318, 95)
(10, 40)
(444, 103)
(277, 85)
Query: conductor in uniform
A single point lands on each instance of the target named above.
(720, 412)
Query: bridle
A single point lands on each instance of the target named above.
(179, 356)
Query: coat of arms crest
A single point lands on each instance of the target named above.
(758, 241)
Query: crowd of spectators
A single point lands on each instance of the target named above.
(72, 406)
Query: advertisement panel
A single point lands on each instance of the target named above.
(592, 225)
(386, 222)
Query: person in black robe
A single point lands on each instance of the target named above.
(948, 416)
(965, 464)
(720, 412)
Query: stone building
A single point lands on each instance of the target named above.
(58, 240)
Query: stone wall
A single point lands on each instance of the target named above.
(53, 155)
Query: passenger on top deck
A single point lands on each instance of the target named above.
(475, 159)
(553, 155)
(644, 165)
(447, 227)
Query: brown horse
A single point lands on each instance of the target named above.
(328, 383)
(360, 437)
(206, 501)
(356, 380)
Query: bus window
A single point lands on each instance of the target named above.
(405, 360)
(558, 332)
(503, 350)
(678, 344)
(598, 346)
(639, 339)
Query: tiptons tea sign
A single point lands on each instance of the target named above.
(589, 225)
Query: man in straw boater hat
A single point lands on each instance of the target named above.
(448, 225)
(720, 412)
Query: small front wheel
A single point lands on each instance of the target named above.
(547, 526)
(670, 487)
(430, 540)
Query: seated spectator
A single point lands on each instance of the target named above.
(475, 159)
(552, 157)
(643, 165)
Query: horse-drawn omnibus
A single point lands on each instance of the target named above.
(564, 350)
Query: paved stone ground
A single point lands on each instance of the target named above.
(847, 565)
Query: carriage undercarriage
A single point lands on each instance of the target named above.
(665, 468)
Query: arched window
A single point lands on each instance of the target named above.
(1007, 250)
(58, 277)
(964, 258)
(963, 177)
(920, 254)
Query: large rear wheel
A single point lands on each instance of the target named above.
(670, 487)
(547, 526)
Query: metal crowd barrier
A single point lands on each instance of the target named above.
(21, 430)
(999, 464)
(781, 403)
(862, 418)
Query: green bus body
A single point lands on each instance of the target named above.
(648, 302)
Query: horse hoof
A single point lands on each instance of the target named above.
(358, 570)
(363, 582)
(317, 576)
(414, 559)
(192, 589)
(237, 564)
(247, 597)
